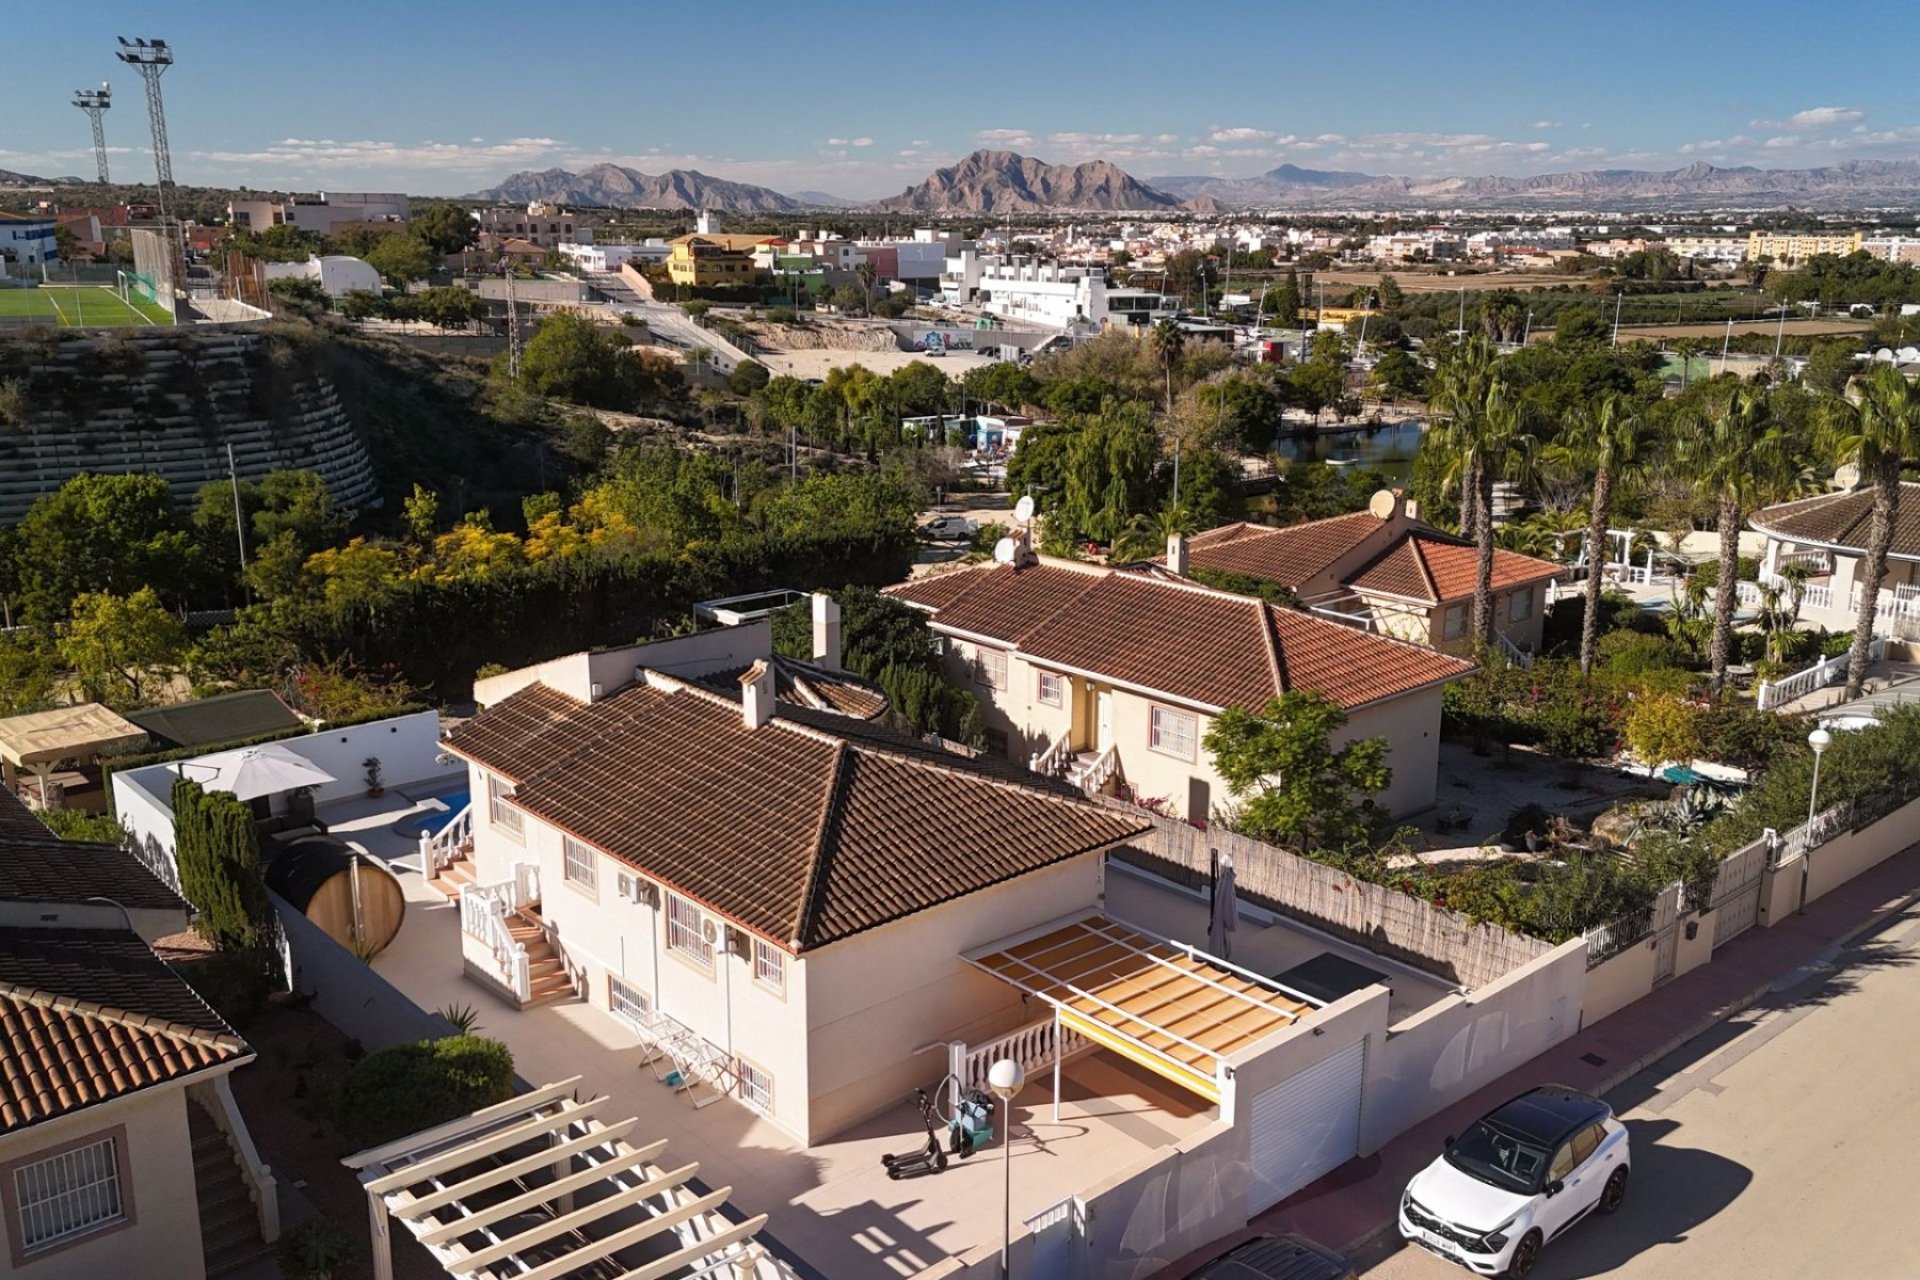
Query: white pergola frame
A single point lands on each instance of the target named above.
(1137, 1010)
(411, 1181)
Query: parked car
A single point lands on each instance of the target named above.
(949, 528)
(1276, 1258)
(1518, 1179)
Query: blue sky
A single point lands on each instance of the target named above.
(861, 100)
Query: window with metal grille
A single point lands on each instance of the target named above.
(1520, 605)
(504, 815)
(1049, 688)
(627, 1001)
(1456, 623)
(1173, 732)
(769, 966)
(69, 1195)
(990, 667)
(582, 871)
(687, 931)
(756, 1086)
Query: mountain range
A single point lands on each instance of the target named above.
(1002, 182)
(1857, 182)
(1006, 182)
(615, 186)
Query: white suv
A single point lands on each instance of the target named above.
(1517, 1179)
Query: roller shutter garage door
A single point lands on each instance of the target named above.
(1305, 1127)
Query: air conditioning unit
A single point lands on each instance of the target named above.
(627, 887)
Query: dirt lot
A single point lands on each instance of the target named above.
(1803, 327)
(1425, 282)
(816, 364)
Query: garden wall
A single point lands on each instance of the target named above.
(346, 991)
(1380, 919)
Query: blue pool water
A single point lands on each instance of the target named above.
(455, 802)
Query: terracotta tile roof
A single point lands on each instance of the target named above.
(512, 734)
(88, 1015)
(1211, 648)
(803, 833)
(804, 685)
(1002, 602)
(1437, 569)
(1290, 555)
(38, 866)
(1841, 520)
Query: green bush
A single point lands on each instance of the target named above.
(405, 1088)
(1560, 634)
(235, 983)
(1576, 728)
(78, 824)
(1630, 654)
(315, 1250)
(218, 850)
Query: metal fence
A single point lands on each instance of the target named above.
(1383, 920)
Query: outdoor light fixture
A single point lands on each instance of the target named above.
(1006, 1078)
(1819, 740)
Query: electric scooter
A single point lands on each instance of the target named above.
(922, 1160)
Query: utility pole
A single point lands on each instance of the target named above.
(1618, 298)
(1780, 335)
(239, 521)
(1726, 343)
(95, 103)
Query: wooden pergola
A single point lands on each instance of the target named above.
(1166, 1005)
(540, 1188)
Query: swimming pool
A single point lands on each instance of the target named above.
(455, 801)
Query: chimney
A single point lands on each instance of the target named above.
(756, 694)
(1413, 508)
(826, 631)
(1177, 553)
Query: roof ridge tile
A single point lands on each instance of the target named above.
(36, 998)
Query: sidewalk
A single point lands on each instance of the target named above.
(1350, 1206)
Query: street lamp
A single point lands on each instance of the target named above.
(1005, 1078)
(1819, 740)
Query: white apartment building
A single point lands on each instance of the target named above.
(1731, 250)
(336, 273)
(610, 257)
(331, 210)
(1044, 293)
(547, 226)
(1894, 248)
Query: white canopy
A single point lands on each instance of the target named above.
(249, 772)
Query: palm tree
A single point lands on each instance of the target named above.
(1875, 428)
(1735, 455)
(1462, 382)
(1605, 437)
(867, 273)
(1169, 343)
(1498, 444)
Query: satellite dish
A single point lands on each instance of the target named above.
(1846, 476)
(1023, 509)
(1005, 550)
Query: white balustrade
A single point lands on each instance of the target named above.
(1103, 766)
(1053, 759)
(440, 849)
(526, 884)
(483, 915)
(1031, 1046)
(1515, 654)
(1825, 672)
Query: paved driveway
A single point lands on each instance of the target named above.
(1781, 1143)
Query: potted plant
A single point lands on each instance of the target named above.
(376, 785)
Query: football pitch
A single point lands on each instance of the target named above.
(75, 306)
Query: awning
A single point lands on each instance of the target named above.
(1166, 1005)
(539, 1188)
(66, 733)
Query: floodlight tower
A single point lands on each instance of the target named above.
(151, 58)
(95, 103)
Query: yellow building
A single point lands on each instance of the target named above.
(713, 258)
(1340, 317)
(1797, 246)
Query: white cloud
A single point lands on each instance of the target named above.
(1095, 139)
(1782, 141)
(920, 142)
(1545, 124)
(1238, 133)
(329, 153)
(849, 142)
(1815, 118)
(1004, 138)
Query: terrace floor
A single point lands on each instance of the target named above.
(831, 1204)
(387, 826)
(1266, 944)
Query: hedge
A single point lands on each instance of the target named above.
(405, 1088)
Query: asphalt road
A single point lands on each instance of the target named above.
(1779, 1144)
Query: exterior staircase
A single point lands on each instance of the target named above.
(453, 875)
(229, 1222)
(546, 971)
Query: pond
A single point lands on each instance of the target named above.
(1389, 449)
